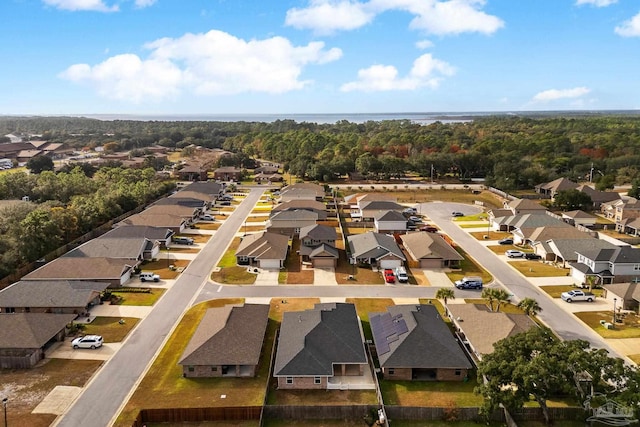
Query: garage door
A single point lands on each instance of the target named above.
(323, 262)
(390, 263)
(270, 264)
(430, 263)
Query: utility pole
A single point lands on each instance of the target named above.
(432, 173)
(591, 173)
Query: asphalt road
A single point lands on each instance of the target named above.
(561, 321)
(104, 396)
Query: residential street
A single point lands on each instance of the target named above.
(103, 397)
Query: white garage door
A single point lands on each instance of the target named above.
(270, 264)
(390, 263)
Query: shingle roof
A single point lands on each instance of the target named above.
(394, 216)
(154, 220)
(425, 245)
(561, 232)
(312, 341)
(67, 268)
(626, 291)
(380, 205)
(415, 336)
(324, 251)
(599, 196)
(568, 248)
(577, 214)
(617, 255)
(151, 233)
(113, 247)
(375, 245)
(50, 293)
(559, 185)
(264, 245)
(30, 330)
(293, 215)
(205, 187)
(526, 204)
(301, 204)
(303, 189)
(318, 232)
(183, 211)
(190, 202)
(484, 328)
(228, 335)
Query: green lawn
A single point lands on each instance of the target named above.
(469, 268)
(538, 269)
(364, 306)
(236, 275)
(229, 257)
(140, 298)
(630, 328)
(431, 393)
(504, 308)
(110, 328)
(556, 290)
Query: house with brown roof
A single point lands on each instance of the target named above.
(268, 177)
(550, 189)
(430, 250)
(524, 206)
(290, 222)
(152, 234)
(630, 226)
(24, 337)
(115, 245)
(626, 294)
(171, 207)
(264, 250)
(479, 328)
(266, 169)
(579, 217)
(176, 223)
(618, 210)
(51, 296)
(322, 348)
(599, 197)
(227, 342)
(10, 150)
(413, 343)
(302, 191)
(228, 173)
(318, 245)
(307, 205)
(192, 172)
(114, 271)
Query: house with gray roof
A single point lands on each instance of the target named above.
(479, 328)
(178, 199)
(290, 222)
(430, 250)
(175, 223)
(322, 348)
(630, 226)
(389, 222)
(369, 209)
(114, 271)
(131, 248)
(550, 189)
(579, 217)
(627, 295)
(51, 296)
(375, 249)
(318, 245)
(207, 190)
(414, 343)
(155, 234)
(599, 197)
(302, 191)
(609, 265)
(227, 342)
(564, 251)
(264, 250)
(308, 205)
(24, 337)
(524, 206)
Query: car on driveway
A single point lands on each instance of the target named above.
(207, 217)
(456, 214)
(531, 255)
(88, 341)
(512, 253)
(429, 228)
(415, 219)
(506, 241)
(389, 277)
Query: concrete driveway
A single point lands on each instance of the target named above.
(438, 277)
(325, 276)
(267, 277)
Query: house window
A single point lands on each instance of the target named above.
(636, 267)
(214, 369)
(190, 369)
(391, 371)
(317, 380)
(289, 380)
(458, 372)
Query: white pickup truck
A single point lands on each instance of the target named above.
(577, 296)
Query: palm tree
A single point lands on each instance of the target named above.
(501, 297)
(529, 306)
(488, 294)
(591, 281)
(444, 294)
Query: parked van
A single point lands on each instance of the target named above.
(401, 275)
(469, 282)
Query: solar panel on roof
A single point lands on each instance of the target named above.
(401, 327)
(392, 338)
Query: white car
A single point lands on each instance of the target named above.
(88, 341)
(511, 253)
(207, 217)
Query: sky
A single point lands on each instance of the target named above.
(317, 56)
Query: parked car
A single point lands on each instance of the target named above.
(577, 296)
(531, 255)
(402, 275)
(506, 241)
(227, 197)
(389, 277)
(224, 203)
(469, 282)
(512, 253)
(207, 217)
(415, 219)
(456, 214)
(88, 341)
(410, 211)
(148, 276)
(182, 240)
(429, 228)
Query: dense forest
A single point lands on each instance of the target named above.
(511, 152)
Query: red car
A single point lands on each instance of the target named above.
(389, 277)
(429, 229)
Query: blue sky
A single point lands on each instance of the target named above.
(317, 56)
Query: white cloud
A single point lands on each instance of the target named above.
(629, 28)
(76, 5)
(212, 63)
(596, 3)
(424, 44)
(140, 4)
(555, 94)
(439, 17)
(426, 72)
(327, 16)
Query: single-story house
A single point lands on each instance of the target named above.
(302, 191)
(192, 172)
(267, 170)
(51, 296)
(138, 248)
(579, 217)
(115, 271)
(307, 205)
(317, 348)
(176, 223)
(550, 189)
(189, 213)
(524, 206)
(268, 177)
(376, 249)
(368, 210)
(430, 250)
(264, 250)
(414, 343)
(479, 329)
(560, 250)
(24, 337)
(227, 342)
(629, 226)
(156, 234)
(389, 222)
(290, 222)
(626, 294)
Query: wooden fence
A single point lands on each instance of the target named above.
(178, 415)
(320, 412)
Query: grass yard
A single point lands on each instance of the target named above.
(361, 275)
(472, 224)
(538, 269)
(257, 218)
(279, 306)
(635, 358)
(110, 327)
(161, 267)
(26, 388)
(209, 225)
(186, 250)
(493, 235)
(555, 290)
(314, 423)
(504, 308)
(433, 192)
(140, 298)
(501, 249)
(229, 257)
(226, 423)
(436, 393)
(468, 267)
(164, 386)
(236, 275)
(364, 306)
(629, 328)
(319, 397)
(295, 274)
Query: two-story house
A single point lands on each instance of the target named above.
(612, 265)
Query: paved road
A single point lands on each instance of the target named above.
(102, 399)
(561, 321)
